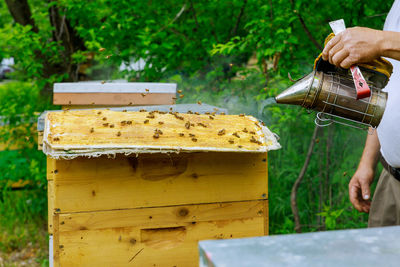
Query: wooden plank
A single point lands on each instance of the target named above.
(157, 180)
(134, 246)
(123, 99)
(50, 205)
(56, 241)
(51, 166)
(162, 217)
(114, 87)
(40, 140)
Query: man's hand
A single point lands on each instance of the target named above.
(354, 45)
(359, 188)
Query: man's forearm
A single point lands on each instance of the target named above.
(390, 44)
(370, 155)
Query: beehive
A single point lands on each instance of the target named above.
(142, 188)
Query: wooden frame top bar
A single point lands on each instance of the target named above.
(98, 87)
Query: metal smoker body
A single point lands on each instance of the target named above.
(333, 95)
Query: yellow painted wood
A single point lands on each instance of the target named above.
(162, 217)
(40, 140)
(157, 180)
(51, 163)
(56, 241)
(135, 246)
(50, 205)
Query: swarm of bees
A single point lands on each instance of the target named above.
(244, 134)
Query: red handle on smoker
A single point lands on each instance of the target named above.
(362, 88)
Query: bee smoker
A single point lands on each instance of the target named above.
(333, 95)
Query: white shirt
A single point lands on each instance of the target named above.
(389, 128)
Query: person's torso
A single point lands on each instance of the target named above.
(389, 128)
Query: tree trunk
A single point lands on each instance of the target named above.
(62, 33)
(293, 195)
(21, 12)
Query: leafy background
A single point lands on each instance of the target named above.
(233, 54)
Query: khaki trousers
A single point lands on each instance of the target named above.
(385, 206)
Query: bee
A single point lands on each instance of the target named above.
(258, 125)
(147, 90)
(111, 125)
(213, 113)
(162, 112)
(158, 131)
(102, 49)
(156, 135)
(98, 113)
(124, 110)
(104, 118)
(130, 103)
(69, 102)
(146, 121)
(241, 115)
(56, 139)
(231, 141)
(239, 146)
(129, 122)
(252, 132)
(160, 122)
(119, 134)
(202, 124)
(189, 112)
(181, 96)
(181, 134)
(92, 103)
(143, 94)
(221, 132)
(197, 113)
(245, 130)
(92, 130)
(207, 113)
(236, 134)
(105, 124)
(142, 110)
(222, 113)
(253, 140)
(179, 91)
(123, 123)
(174, 98)
(199, 102)
(192, 135)
(192, 124)
(211, 117)
(215, 109)
(170, 109)
(194, 139)
(150, 116)
(179, 117)
(263, 124)
(152, 112)
(187, 125)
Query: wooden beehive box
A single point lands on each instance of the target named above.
(142, 188)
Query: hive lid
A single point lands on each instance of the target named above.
(92, 133)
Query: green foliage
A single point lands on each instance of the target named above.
(23, 213)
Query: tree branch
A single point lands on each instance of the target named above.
(293, 195)
(234, 30)
(303, 24)
(194, 14)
